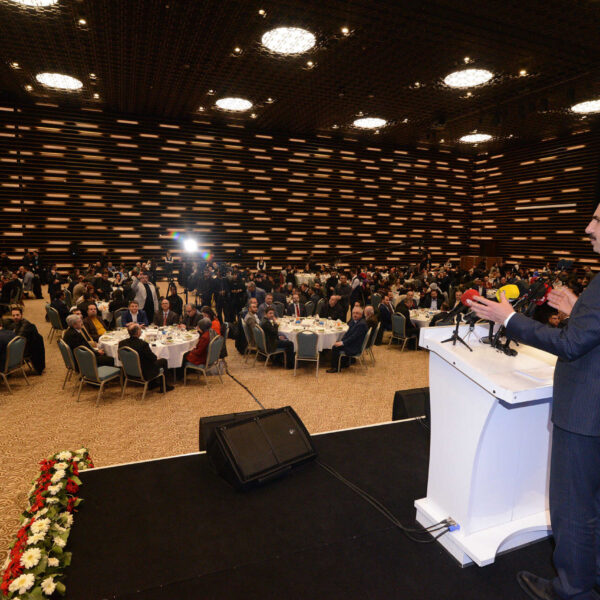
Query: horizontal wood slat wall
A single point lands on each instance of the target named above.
(127, 185)
(536, 202)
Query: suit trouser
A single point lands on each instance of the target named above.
(163, 364)
(575, 513)
(335, 358)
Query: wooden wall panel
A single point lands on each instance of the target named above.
(535, 202)
(128, 185)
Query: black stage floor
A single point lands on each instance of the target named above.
(171, 529)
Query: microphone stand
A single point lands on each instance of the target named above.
(455, 337)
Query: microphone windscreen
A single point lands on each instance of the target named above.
(511, 292)
(468, 295)
(544, 298)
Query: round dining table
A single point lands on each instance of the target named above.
(167, 342)
(329, 332)
(422, 317)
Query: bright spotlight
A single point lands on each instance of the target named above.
(190, 245)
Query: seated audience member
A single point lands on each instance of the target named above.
(34, 349)
(251, 318)
(296, 308)
(190, 318)
(209, 314)
(386, 310)
(554, 319)
(151, 365)
(457, 296)
(74, 337)
(404, 309)
(279, 295)
(198, 354)
(103, 286)
(118, 301)
(351, 343)
(165, 316)
(370, 316)
(316, 292)
(94, 324)
(263, 307)
(5, 336)
(58, 303)
(273, 340)
(441, 315)
(134, 315)
(174, 299)
(79, 288)
(431, 300)
(334, 309)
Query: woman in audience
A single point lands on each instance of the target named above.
(208, 313)
(174, 299)
(197, 355)
(117, 282)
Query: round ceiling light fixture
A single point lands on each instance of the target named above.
(587, 107)
(475, 138)
(288, 40)
(369, 123)
(58, 81)
(35, 3)
(468, 78)
(234, 104)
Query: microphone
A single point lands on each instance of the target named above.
(511, 292)
(463, 307)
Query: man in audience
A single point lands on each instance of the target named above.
(6, 335)
(334, 309)
(190, 318)
(103, 286)
(58, 303)
(404, 309)
(134, 315)
(316, 293)
(273, 340)
(251, 318)
(79, 288)
(431, 301)
(34, 349)
(351, 343)
(296, 308)
(344, 290)
(440, 316)
(370, 317)
(93, 324)
(145, 294)
(457, 296)
(256, 292)
(165, 316)
(10, 287)
(263, 307)
(74, 337)
(386, 310)
(151, 365)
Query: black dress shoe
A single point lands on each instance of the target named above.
(535, 587)
(332, 371)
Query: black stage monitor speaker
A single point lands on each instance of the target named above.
(209, 424)
(409, 404)
(253, 451)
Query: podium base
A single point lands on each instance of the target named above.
(482, 547)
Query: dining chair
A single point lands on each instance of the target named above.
(15, 351)
(213, 357)
(93, 374)
(132, 367)
(307, 344)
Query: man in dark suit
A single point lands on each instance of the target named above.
(403, 308)
(296, 308)
(386, 310)
(58, 303)
(431, 301)
(5, 336)
(352, 341)
(334, 309)
(74, 338)
(165, 316)
(151, 365)
(134, 315)
(191, 318)
(575, 460)
(34, 349)
(272, 338)
(262, 309)
(255, 292)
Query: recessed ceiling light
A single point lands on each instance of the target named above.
(35, 3)
(523, 72)
(59, 81)
(82, 22)
(96, 96)
(475, 138)
(442, 141)
(201, 108)
(369, 123)
(467, 60)
(262, 12)
(15, 65)
(237, 50)
(345, 30)
(334, 126)
(310, 64)
(92, 75)
(234, 104)
(210, 92)
(270, 100)
(253, 116)
(288, 40)
(29, 88)
(587, 107)
(417, 84)
(468, 78)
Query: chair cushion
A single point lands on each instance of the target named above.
(105, 373)
(189, 365)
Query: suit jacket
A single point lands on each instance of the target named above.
(172, 318)
(147, 358)
(291, 309)
(91, 328)
(5, 336)
(142, 319)
(385, 314)
(74, 338)
(34, 349)
(259, 294)
(334, 312)
(426, 302)
(61, 308)
(576, 396)
(191, 322)
(355, 336)
(263, 308)
(271, 334)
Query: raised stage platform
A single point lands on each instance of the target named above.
(171, 529)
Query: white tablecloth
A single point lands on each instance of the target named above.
(307, 278)
(422, 318)
(326, 338)
(173, 352)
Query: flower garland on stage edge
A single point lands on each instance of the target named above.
(36, 561)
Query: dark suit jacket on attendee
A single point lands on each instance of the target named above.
(62, 309)
(142, 319)
(147, 358)
(337, 312)
(576, 395)
(34, 349)
(355, 336)
(191, 322)
(271, 334)
(91, 328)
(172, 318)
(5, 336)
(291, 309)
(259, 294)
(385, 316)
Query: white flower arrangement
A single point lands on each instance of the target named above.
(34, 568)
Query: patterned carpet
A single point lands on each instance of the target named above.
(41, 419)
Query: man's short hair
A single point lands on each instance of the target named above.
(134, 329)
(16, 307)
(71, 319)
(133, 302)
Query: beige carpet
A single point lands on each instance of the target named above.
(42, 419)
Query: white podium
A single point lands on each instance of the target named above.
(490, 445)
